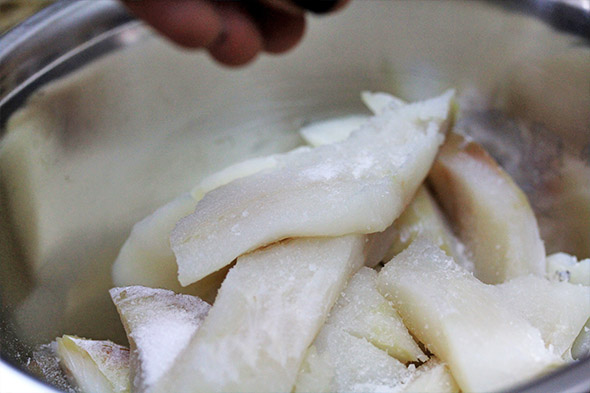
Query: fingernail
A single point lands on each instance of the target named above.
(316, 6)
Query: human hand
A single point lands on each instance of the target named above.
(233, 31)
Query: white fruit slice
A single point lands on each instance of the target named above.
(95, 366)
(423, 217)
(356, 364)
(487, 345)
(565, 267)
(268, 310)
(233, 172)
(493, 216)
(363, 312)
(359, 185)
(558, 309)
(352, 351)
(332, 131)
(159, 325)
(381, 102)
(316, 373)
(338, 129)
(146, 257)
(432, 377)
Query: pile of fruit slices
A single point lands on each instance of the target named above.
(331, 268)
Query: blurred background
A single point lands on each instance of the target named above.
(14, 11)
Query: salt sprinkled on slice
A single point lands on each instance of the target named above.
(159, 324)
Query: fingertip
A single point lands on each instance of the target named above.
(281, 31)
(317, 6)
(189, 23)
(240, 41)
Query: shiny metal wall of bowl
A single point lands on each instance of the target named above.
(129, 122)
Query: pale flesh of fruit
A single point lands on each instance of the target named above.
(564, 267)
(268, 311)
(356, 364)
(337, 130)
(363, 312)
(95, 366)
(432, 377)
(159, 325)
(493, 216)
(380, 102)
(352, 350)
(558, 309)
(331, 131)
(423, 217)
(315, 374)
(146, 257)
(358, 186)
(486, 344)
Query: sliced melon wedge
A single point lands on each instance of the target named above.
(363, 312)
(356, 349)
(146, 258)
(487, 345)
(268, 311)
(423, 217)
(359, 185)
(493, 216)
(357, 365)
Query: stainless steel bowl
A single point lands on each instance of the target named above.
(134, 121)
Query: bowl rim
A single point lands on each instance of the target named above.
(41, 48)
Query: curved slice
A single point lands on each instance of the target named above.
(363, 312)
(493, 216)
(95, 366)
(340, 128)
(358, 186)
(424, 218)
(332, 130)
(487, 345)
(380, 102)
(268, 311)
(558, 309)
(146, 257)
(357, 365)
